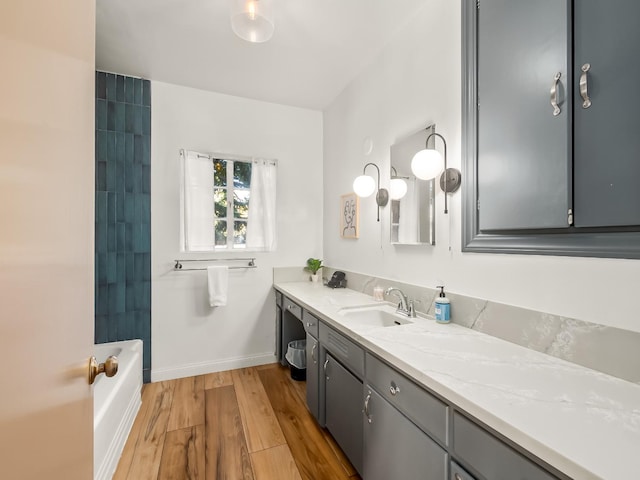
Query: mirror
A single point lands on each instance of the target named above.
(413, 213)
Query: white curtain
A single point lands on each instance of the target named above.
(261, 224)
(197, 195)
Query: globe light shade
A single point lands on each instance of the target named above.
(397, 188)
(364, 185)
(427, 164)
(252, 20)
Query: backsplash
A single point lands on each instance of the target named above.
(123, 212)
(610, 350)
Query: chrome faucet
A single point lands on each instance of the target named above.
(405, 306)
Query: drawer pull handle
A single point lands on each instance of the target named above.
(289, 307)
(554, 94)
(457, 476)
(313, 350)
(584, 86)
(309, 324)
(326, 362)
(366, 407)
(394, 389)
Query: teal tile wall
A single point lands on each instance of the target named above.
(123, 212)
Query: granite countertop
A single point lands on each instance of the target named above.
(582, 422)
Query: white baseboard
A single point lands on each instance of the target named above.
(170, 373)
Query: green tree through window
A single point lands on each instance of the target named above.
(231, 202)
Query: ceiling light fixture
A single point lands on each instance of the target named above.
(252, 20)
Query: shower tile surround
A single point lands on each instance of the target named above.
(123, 212)
(610, 350)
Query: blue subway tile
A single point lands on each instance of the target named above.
(146, 295)
(145, 237)
(120, 88)
(120, 237)
(101, 146)
(139, 267)
(111, 207)
(112, 267)
(121, 268)
(111, 176)
(111, 237)
(119, 117)
(130, 297)
(101, 334)
(138, 299)
(111, 87)
(137, 91)
(121, 146)
(111, 116)
(101, 176)
(131, 271)
(146, 93)
(101, 114)
(128, 237)
(145, 198)
(113, 327)
(102, 300)
(146, 266)
(101, 237)
(146, 149)
(137, 178)
(146, 120)
(120, 215)
(129, 117)
(138, 149)
(101, 269)
(146, 375)
(121, 289)
(111, 147)
(128, 177)
(101, 85)
(128, 90)
(146, 179)
(139, 213)
(129, 148)
(138, 115)
(101, 207)
(119, 184)
(144, 326)
(129, 207)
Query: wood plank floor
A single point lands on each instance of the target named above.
(249, 424)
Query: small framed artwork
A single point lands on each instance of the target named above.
(349, 216)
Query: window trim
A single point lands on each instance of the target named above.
(597, 242)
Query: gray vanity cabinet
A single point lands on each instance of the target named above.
(343, 409)
(395, 448)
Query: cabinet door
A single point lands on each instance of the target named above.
(395, 448)
(523, 148)
(343, 410)
(607, 144)
(313, 392)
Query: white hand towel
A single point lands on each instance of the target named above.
(218, 281)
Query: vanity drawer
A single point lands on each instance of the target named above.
(343, 349)
(279, 298)
(291, 306)
(491, 457)
(422, 408)
(311, 323)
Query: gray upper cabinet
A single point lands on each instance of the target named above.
(541, 179)
(606, 143)
(523, 147)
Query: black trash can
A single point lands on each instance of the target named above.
(297, 358)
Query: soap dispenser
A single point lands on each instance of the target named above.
(443, 307)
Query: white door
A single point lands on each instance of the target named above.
(46, 238)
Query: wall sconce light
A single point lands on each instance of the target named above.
(428, 163)
(364, 186)
(252, 20)
(397, 186)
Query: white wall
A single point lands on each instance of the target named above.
(189, 337)
(414, 82)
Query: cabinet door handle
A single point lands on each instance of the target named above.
(366, 407)
(309, 324)
(313, 349)
(584, 86)
(457, 476)
(324, 367)
(394, 389)
(554, 94)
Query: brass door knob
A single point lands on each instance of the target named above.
(109, 368)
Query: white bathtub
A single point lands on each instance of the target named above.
(116, 402)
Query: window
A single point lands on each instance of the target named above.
(231, 202)
(228, 203)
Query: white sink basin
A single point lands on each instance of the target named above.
(374, 316)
